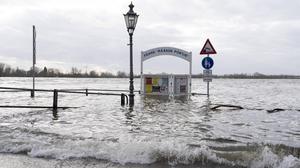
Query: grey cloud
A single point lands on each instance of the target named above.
(249, 36)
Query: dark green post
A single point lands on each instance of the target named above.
(55, 98)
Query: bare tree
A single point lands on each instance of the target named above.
(106, 74)
(2, 66)
(75, 71)
(121, 74)
(93, 74)
(7, 70)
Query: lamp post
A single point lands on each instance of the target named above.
(131, 20)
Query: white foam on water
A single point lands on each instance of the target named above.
(137, 150)
(124, 150)
(289, 161)
(267, 159)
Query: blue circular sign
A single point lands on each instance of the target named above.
(207, 63)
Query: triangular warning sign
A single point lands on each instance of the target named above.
(208, 48)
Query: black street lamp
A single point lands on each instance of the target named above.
(131, 19)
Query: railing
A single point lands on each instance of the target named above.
(55, 95)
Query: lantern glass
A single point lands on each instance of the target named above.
(130, 19)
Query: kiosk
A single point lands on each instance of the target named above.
(166, 84)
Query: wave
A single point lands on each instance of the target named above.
(123, 152)
(137, 150)
(267, 159)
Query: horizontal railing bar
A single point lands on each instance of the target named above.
(72, 89)
(63, 90)
(198, 94)
(114, 90)
(94, 93)
(26, 89)
(12, 91)
(4, 106)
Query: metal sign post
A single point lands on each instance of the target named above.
(207, 89)
(33, 61)
(207, 63)
(207, 77)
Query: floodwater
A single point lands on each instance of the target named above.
(180, 132)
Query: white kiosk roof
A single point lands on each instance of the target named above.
(166, 51)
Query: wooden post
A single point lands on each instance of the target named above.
(86, 92)
(55, 98)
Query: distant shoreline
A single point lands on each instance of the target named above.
(193, 76)
(8, 71)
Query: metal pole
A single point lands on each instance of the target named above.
(208, 84)
(142, 76)
(190, 78)
(131, 87)
(33, 61)
(33, 82)
(207, 89)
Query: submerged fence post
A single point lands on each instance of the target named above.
(122, 99)
(32, 93)
(55, 97)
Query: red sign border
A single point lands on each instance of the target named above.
(203, 52)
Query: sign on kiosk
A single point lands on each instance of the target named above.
(156, 84)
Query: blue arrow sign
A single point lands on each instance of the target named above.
(207, 63)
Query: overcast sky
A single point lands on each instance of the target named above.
(249, 35)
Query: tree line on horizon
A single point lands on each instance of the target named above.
(8, 71)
